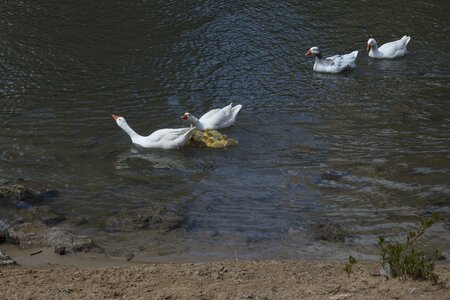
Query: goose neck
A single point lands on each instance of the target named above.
(194, 121)
(374, 48)
(130, 131)
(318, 58)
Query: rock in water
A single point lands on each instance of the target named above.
(17, 194)
(60, 249)
(6, 260)
(149, 218)
(211, 138)
(329, 232)
(44, 214)
(3, 230)
(24, 194)
(37, 234)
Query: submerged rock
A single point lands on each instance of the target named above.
(60, 249)
(321, 231)
(3, 231)
(333, 175)
(152, 218)
(25, 222)
(6, 260)
(24, 194)
(37, 234)
(211, 138)
(44, 214)
(18, 194)
(329, 232)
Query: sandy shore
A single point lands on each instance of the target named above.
(92, 277)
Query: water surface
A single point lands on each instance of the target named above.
(367, 150)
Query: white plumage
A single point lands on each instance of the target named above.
(389, 50)
(334, 64)
(214, 119)
(168, 138)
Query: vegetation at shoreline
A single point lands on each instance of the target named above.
(402, 260)
(348, 268)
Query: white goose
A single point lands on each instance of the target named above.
(214, 119)
(334, 64)
(164, 138)
(389, 50)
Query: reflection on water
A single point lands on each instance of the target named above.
(367, 150)
(133, 158)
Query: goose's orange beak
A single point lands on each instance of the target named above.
(368, 47)
(184, 117)
(308, 53)
(115, 117)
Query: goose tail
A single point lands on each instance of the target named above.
(236, 109)
(190, 131)
(406, 39)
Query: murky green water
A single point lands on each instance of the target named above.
(368, 150)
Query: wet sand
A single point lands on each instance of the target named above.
(93, 276)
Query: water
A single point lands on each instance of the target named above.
(366, 150)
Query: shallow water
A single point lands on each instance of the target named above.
(367, 150)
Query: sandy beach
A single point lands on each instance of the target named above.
(92, 276)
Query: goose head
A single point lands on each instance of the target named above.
(190, 118)
(119, 120)
(314, 51)
(186, 116)
(371, 43)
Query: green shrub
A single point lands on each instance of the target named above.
(403, 261)
(349, 266)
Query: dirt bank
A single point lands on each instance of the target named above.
(220, 280)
